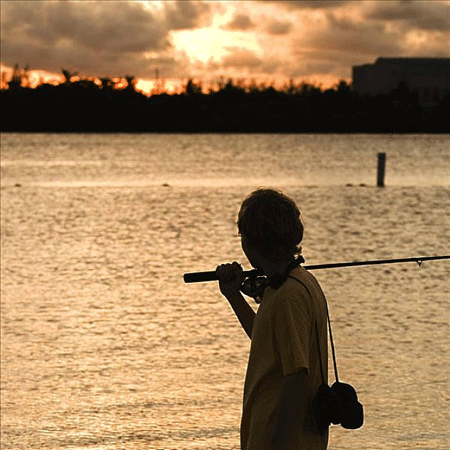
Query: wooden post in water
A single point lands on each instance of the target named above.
(381, 169)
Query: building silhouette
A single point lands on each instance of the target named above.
(428, 78)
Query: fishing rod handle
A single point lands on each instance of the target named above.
(200, 277)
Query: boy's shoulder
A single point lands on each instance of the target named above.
(293, 290)
(300, 287)
(303, 277)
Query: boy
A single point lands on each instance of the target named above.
(284, 371)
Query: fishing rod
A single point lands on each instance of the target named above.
(199, 277)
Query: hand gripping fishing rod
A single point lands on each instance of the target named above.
(198, 277)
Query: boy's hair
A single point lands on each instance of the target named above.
(271, 221)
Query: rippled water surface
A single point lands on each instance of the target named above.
(104, 347)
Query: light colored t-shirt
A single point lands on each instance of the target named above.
(283, 342)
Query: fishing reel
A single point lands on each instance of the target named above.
(254, 287)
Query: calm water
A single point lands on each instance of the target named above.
(104, 347)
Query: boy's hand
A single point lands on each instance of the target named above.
(230, 279)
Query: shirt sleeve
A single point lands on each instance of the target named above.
(292, 331)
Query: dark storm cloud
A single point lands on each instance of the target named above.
(95, 37)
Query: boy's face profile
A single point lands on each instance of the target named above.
(251, 252)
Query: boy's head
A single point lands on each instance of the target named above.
(270, 222)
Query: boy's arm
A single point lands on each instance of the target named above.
(243, 311)
(230, 280)
(291, 409)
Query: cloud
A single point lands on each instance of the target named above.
(240, 22)
(277, 27)
(271, 25)
(185, 14)
(309, 4)
(427, 15)
(97, 26)
(344, 35)
(242, 59)
(423, 15)
(380, 29)
(94, 37)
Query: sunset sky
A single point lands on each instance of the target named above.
(315, 41)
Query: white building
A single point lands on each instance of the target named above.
(429, 77)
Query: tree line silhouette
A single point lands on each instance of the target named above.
(83, 104)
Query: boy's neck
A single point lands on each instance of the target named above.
(271, 269)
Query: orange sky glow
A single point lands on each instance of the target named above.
(265, 41)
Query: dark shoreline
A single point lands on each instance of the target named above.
(84, 107)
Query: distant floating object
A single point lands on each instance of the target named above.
(166, 185)
(17, 185)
